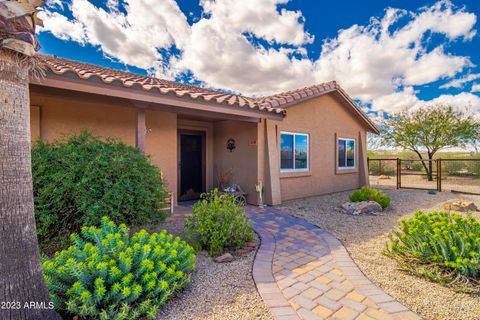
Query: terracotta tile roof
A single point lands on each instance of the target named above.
(289, 98)
(285, 99)
(61, 66)
(275, 103)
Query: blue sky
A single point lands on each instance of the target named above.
(389, 55)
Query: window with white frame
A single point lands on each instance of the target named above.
(293, 152)
(346, 153)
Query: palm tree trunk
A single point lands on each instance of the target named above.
(21, 276)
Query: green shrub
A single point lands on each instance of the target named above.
(218, 223)
(78, 180)
(370, 194)
(440, 246)
(107, 275)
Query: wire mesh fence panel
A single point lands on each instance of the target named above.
(461, 175)
(383, 172)
(457, 175)
(418, 174)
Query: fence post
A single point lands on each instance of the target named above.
(439, 175)
(399, 173)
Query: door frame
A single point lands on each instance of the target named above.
(203, 134)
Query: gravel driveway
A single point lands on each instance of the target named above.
(365, 237)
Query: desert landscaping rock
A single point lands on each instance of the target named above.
(251, 244)
(226, 257)
(365, 236)
(362, 207)
(245, 250)
(460, 206)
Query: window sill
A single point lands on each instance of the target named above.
(295, 174)
(346, 171)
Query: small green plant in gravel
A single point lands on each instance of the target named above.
(441, 246)
(218, 223)
(106, 274)
(370, 194)
(81, 178)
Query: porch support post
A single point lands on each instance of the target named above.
(362, 160)
(272, 167)
(141, 130)
(35, 123)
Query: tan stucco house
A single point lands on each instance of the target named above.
(300, 143)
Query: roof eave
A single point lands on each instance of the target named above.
(373, 128)
(370, 124)
(70, 81)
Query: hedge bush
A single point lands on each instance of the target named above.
(80, 178)
(218, 223)
(370, 194)
(441, 246)
(107, 275)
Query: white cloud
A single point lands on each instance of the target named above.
(133, 38)
(407, 100)
(396, 101)
(464, 101)
(433, 66)
(440, 18)
(476, 87)
(377, 63)
(62, 28)
(261, 18)
(374, 60)
(219, 54)
(460, 82)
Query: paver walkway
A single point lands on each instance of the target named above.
(303, 272)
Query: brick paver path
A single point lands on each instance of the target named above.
(303, 272)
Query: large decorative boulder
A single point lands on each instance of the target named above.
(460, 206)
(360, 208)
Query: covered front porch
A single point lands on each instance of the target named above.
(197, 146)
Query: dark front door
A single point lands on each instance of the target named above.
(191, 165)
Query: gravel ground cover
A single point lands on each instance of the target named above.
(365, 238)
(217, 291)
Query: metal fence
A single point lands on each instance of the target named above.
(383, 172)
(456, 175)
(460, 175)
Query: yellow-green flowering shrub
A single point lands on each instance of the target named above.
(441, 246)
(105, 274)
